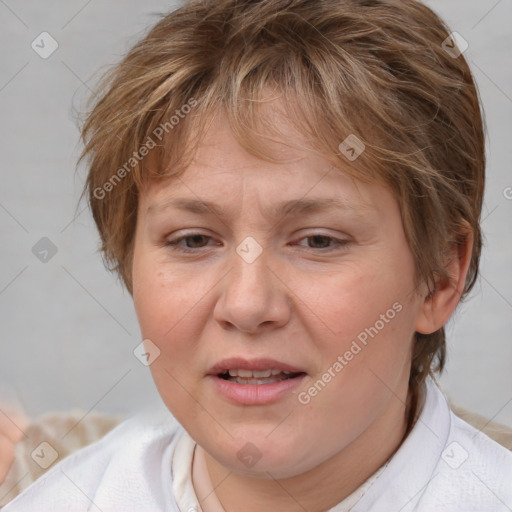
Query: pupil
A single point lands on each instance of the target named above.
(320, 240)
(196, 240)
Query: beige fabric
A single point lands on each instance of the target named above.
(500, 433)
(64, 433)
(67, 432)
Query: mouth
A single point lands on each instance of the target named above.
(256, 381)
(259, 377)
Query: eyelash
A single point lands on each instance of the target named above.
(174, 244)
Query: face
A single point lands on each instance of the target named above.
(281, 298)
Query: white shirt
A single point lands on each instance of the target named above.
(145, 464)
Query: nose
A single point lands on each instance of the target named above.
(252, 299)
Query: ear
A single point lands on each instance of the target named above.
(439, 305)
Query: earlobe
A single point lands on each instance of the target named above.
(439, 304)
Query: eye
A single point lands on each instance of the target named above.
(191, 242)
(319, 241)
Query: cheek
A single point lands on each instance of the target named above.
(366, 316)
(355, 299)
(171, 307)
(171, 313)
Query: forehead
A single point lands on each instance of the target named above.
(223, 178)
(274, 126)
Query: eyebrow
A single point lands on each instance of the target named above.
(285, 208)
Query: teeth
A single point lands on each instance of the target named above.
(248, 374)
(263, 373)
(240, 380)
(246, 377)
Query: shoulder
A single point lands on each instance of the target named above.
(122, 464)
(474, 473)
(443, 465)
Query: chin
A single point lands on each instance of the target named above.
(261, 456)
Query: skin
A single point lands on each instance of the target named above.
(302, 301)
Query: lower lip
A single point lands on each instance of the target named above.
(255, 394)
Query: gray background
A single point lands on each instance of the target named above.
(67, 328)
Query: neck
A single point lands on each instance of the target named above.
(322, 487)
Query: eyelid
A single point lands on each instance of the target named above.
(337, 244)
(310, 232)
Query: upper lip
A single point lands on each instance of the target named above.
(260, 364)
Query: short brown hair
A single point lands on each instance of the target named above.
(376, 69)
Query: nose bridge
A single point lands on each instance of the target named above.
(250, 277)
(251, 295)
